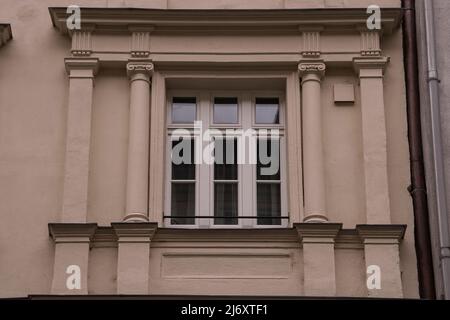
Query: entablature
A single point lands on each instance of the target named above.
(277, 37)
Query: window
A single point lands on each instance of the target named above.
(225, 110)
(267, 110)
(226, 158)
(184, 109)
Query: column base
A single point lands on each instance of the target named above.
(135, 217)
(315, 218)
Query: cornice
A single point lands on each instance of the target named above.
(134, 231)
(121, 19)
(363, 65)
(5, 33)
(227, 235)
(72, 232)
(224, 238)
(81, 67)
(381, 234)
(318, 232)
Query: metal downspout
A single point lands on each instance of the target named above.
(433, 90)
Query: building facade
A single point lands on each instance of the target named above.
(434, 83)
(89, 117)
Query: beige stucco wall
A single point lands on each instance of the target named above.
(33, 101)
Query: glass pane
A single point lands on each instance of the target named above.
(268, 203)
(268, 155)
(183, 203)
(183, 166)
(184, 110)
(225, 203)
(226, 110)
(267, 111)
(225, 159)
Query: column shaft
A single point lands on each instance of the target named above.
(313, 160)
(78, 138)
(370, 72)
(138, 143)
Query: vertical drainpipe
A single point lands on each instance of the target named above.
(417, 188)
(439, 178)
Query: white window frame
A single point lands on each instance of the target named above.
(204, 173)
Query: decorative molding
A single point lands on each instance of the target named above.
(370, 67)
(312, 66)
(134, 231)
(381, 233)
(81, 43)
(311, 43)
(104, 237)
(5, 33)
(227, 235)
(370, 43)
(140, 44)
(168, 237)
(348, 239)
(120, 19)
(81, 67)
(72, 232)
(317, 232)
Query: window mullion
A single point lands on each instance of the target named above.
(204, 178)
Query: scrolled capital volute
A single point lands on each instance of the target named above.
(312, 67)
(140, 68)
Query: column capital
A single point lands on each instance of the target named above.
(72, 232)
(311, 67)
(318, 232)
(135, 231)
(81, 67)
(144, 68)
(381, 233)
(370, 67)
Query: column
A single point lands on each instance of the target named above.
(73, 235)
(70, 270)
(138, 143)
(78, 138)
(381, 253)
(370, 72)
(311, 73)
(318, 257)
(133, 256)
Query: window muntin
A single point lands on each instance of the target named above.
(232, 196)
